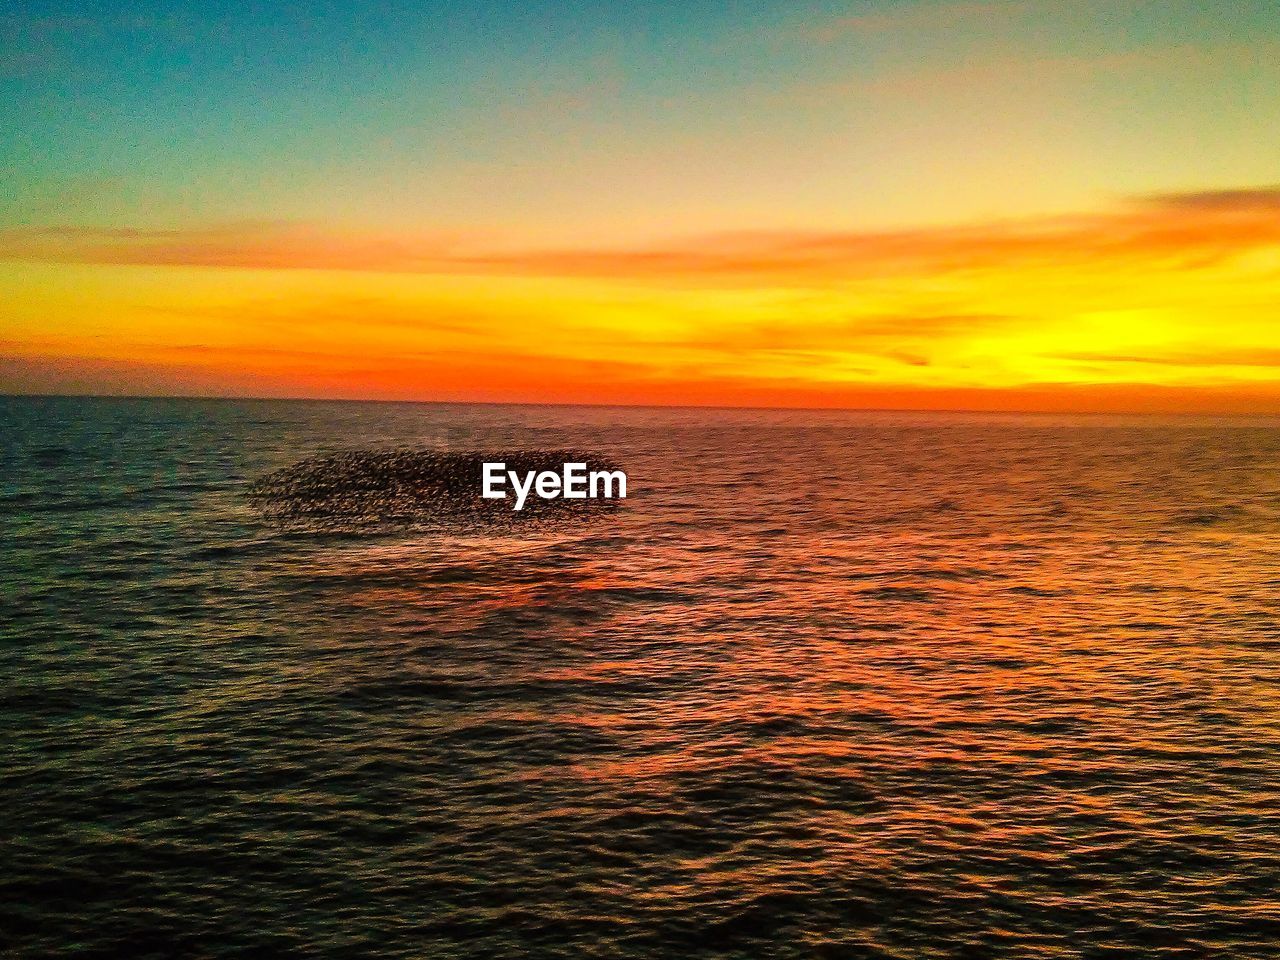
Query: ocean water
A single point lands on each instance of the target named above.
(828, 685)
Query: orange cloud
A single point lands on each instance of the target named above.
(1177, 229)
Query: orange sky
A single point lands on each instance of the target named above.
(1015, 204)
(1159, 303)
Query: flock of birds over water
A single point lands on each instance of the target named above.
(363, 489)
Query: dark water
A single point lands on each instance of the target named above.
(864, 685)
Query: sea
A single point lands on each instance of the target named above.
(825, 685)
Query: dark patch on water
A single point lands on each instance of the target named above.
(362, 489)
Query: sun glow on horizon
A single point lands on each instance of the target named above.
(1030, 204)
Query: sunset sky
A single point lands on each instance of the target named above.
(1049, 204)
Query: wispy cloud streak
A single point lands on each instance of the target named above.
(1179, 229)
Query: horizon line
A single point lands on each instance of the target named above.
(1211, 414)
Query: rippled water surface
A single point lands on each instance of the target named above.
(828, 685)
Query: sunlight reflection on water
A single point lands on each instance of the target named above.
(875, 685)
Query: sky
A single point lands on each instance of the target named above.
(1018, 204)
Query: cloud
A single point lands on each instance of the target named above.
(899, 338)
(1250, 199)
(1159, 292)
(1261, 358)
(1174, 230)
(250, 245)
